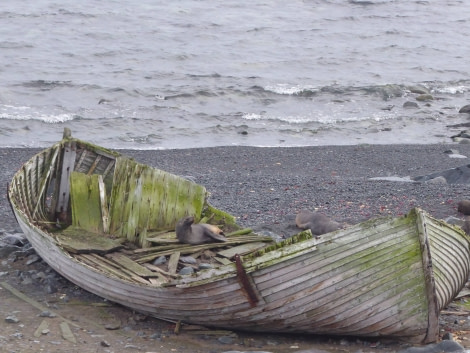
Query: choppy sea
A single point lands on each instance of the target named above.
(156, 74)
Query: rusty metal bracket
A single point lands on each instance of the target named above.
(245, 282)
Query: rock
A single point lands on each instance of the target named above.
(47, 314)
(464, 207)
(159, 260)
(462, 141)
(424, 98)
(32, 259)
(204, 266)
(105, 344)
(443, 346)
(186, 271)
(438, 180)
(17, 239)
(12, 319)
(188, 260)
(465, 109)
(419, 89)
(6, 250)
(410, 105)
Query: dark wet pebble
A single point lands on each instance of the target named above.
(410, 105)
(465, 109)
(159, 260)
(204, 266)
(448, 346)
(186, 271)
(188, 260)
(12, 319)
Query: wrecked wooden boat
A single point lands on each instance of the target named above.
(100, 219)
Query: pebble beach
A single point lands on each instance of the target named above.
(264, 188)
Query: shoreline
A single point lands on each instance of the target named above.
(267, 186)
(263, 188)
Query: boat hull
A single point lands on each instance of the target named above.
(382, 278)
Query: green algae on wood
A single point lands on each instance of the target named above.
(144, 198)
(86, 202)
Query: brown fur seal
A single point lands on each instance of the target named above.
(317, 222)
(190, 233)
(464, 207)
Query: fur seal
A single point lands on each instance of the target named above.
(317, 222)
(190, 233)
(464, 207)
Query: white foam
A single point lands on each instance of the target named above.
(283, 88)
(9, 112)
(453, 89)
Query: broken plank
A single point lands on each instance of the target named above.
(241, 249)
(109, 267)
(173, 262)
(223, 260)
(67, 332)
(130, 265)
(80, 241)
(159, 270)
(42, 328)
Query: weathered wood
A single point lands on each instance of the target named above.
(173, 262)
(80, 241)
(103, 204)
(68, 162)
(241, 249)
(67, 333)
(159, 270)
(86, 202)
(131, 265)
(43, 326)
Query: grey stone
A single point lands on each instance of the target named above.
(12, 319)
(465, 109)
(447, 346)
(14, 239)
(437, 180)
(418, 89)
(32, 259)
(159, 260)
(188, 260)
(186, 271)
(204, 266)
(47, 314)
(410, 105)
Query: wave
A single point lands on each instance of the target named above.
(9, 112)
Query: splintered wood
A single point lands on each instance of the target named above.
(160, 264)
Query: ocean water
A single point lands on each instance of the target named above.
(181, 74)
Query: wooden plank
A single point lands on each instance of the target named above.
(42, 328)
(79, 241)
(241, 249)
(103, 204)
(107, 266)
(223, 260)
(68, 162)
(67, 333)
(173, 262)
(86, 203)
(131, 265)
(159, 270)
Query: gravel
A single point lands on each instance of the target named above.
(266, 187)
